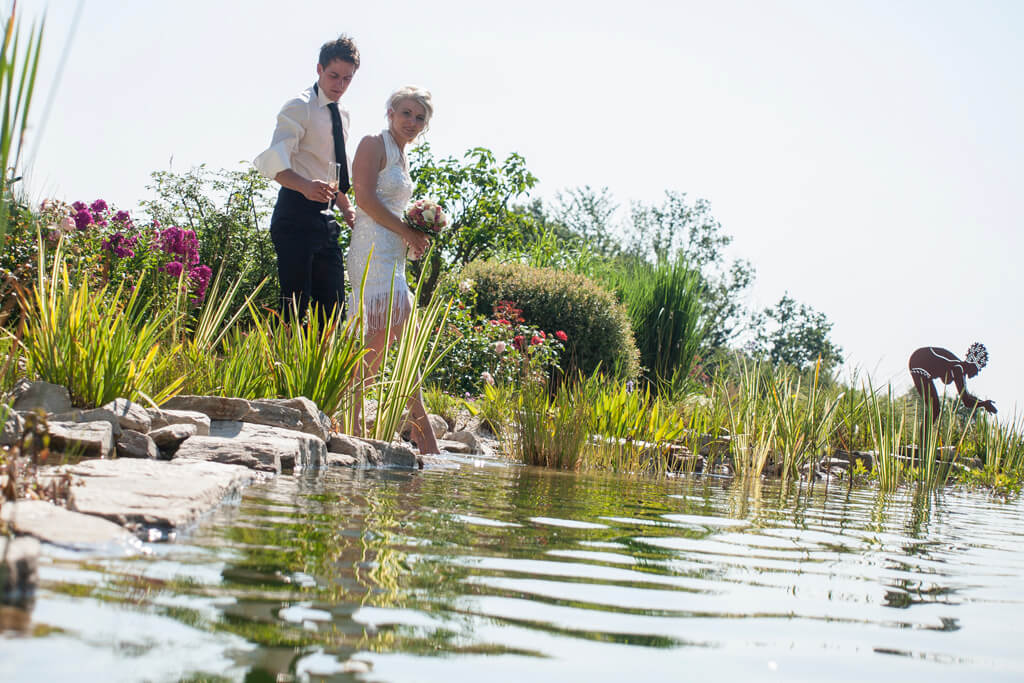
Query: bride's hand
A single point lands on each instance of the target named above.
(418, 242)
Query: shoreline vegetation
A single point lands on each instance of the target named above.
(139, 324)
(581, 340)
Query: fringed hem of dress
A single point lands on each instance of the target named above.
(375, 311)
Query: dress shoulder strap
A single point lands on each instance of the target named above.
(390, 149)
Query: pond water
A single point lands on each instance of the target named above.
(490, 572)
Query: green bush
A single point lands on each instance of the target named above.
(596, 326)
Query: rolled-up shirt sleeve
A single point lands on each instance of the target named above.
(290, 129)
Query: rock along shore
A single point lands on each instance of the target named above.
(146, 473)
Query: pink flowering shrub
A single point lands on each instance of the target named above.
(108, 247)
(497, 349)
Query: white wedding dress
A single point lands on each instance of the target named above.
(385, 275)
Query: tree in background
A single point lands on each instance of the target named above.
(797, 335)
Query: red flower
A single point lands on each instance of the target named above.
(562, 336)
(536, 340)
(517, 341)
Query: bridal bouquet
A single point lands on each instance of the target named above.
(427, 216)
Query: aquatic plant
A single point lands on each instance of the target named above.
(99, 344)
(17, 86)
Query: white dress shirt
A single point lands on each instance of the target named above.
(303, 140)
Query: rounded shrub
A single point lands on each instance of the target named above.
(596, 326)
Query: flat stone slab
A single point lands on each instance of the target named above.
(394, 454)
(140, 493)
(19, 573)
(454, 447)
(215, 407)
(341, 460)
(164, 418)
(260, 447)
(169, 438)
(132, 444)
(362, 453)
(312, 420)
(89, 439)
(92, 415)
(131, 415)
(74, 530)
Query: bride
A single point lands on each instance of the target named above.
(380, 175)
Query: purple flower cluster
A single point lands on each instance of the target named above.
(121, 244)
(200, 278)
(179, 242)
(98, 214)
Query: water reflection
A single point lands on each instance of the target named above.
(510, 573)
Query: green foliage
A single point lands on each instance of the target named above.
(799, 336)
(225, 209)
(317, 359)
(477, 194)
(886, 425)
(751, 422)
(495, 408)
(17, 86)
(588, 214)
(551, 430)
(440, 402)
(100, 345)
(804, 419)
(596, 325)
(680, 229)
(666, 305)
(633, 428)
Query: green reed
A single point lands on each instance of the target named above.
(99, 344)
(17, 86)
(317, 359)
(1001, 449)
(550, 431)
(751, 421)
(415, 356)
(886, 425)
(804, 419)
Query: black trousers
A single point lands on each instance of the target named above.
(310, 265)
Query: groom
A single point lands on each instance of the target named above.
(311, 133)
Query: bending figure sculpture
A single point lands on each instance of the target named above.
(930, 363)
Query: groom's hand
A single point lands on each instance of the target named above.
(318, 191)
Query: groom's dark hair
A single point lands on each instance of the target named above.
(344, 48)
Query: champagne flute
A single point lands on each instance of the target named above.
(333, 173)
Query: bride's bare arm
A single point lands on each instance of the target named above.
(369, 161)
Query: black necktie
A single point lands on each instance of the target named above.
(339, 147)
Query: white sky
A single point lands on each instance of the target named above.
(866, 156)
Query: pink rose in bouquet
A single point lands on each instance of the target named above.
(427, 216)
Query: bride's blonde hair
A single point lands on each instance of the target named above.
(419, 95)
